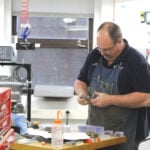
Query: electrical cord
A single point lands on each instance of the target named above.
(17, 75)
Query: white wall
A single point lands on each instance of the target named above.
(57, 7)
(128, 17)
(126, 13)
(103, 11)
(6, 21)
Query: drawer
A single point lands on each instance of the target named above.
(5, 94)
(7, 140)
(5, 109)
(5, 125)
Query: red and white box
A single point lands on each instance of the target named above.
(5, 102)
(5, 125)
(7, 140)
(6, 133)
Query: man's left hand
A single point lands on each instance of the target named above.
(101, 100)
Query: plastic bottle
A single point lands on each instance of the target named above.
(57, 132)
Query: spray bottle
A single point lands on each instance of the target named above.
(57, 132)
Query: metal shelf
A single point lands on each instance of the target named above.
(29, 91)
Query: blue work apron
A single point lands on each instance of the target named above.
(112, 117)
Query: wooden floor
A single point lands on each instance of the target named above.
(53, 66)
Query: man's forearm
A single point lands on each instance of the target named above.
(80, 87)
(132, 100)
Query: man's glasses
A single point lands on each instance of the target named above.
(106, 49)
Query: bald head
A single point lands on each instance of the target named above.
(112, 29)
(109, 41)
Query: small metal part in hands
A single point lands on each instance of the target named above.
(85, 97)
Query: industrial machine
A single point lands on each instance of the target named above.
(17, 78)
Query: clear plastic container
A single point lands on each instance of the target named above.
(57, 140)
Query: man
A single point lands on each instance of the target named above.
(115, 83)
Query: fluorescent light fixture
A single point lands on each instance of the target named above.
(69, 20)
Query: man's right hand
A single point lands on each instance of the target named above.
(83, 100)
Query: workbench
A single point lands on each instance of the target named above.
(113, 141)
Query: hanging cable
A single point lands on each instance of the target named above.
(19, 74)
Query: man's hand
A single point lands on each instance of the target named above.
(101, 100)
(83, 100)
